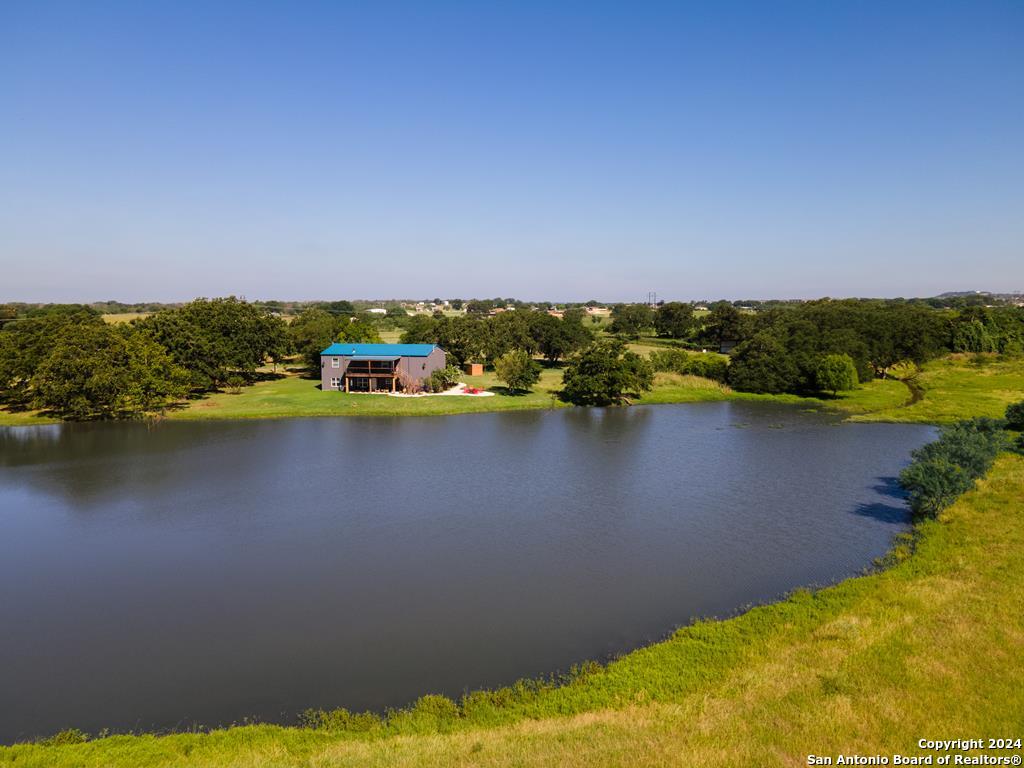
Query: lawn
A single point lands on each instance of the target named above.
(297, 396)
(294, 395)
(868, 666)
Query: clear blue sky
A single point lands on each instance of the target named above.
(161, 151)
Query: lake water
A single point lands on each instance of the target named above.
(161, 576)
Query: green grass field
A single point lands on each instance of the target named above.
(124, 317)
(954, 388)
(959, 387)
(929, 647)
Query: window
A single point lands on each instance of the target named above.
(335, 382)
(335, 362)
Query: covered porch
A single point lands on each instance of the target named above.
(366, 373)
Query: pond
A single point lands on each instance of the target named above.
(160, 576)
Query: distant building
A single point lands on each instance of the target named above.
(377, 367)
(377, 311)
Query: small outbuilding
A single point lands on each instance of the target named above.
(377, 367)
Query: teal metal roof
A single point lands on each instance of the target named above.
(388, 351)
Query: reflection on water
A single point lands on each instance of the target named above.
(161, 575)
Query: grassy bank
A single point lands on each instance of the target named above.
(929, 647)
(959, 387)
(953, 388)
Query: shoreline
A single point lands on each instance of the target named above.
(945, 391)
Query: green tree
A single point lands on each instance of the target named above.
(462, 338)
(343, 308)
(507, 331)
(604, 374)
(836, 373)
(518, 370)
(763, 364)
(557, 338)
(214, 338)
(25, 343)
(103, 371)
(723, 323)
(312, 331)
(481, 307)
(631, 320)
(674, 320)
(421, 329)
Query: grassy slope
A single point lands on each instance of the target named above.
(869, 666)
(954, 388)
(958, 387)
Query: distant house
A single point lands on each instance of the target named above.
(377, 367)
(377, 311)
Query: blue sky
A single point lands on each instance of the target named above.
(160, 151)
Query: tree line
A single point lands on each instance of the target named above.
(66, 360)
(826, 345)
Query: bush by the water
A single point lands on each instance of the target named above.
(948, 467)
(680, 361)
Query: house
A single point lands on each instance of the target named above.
(377, 367)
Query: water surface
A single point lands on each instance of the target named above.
(161, 576)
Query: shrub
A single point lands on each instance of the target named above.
(947, 467)
(443, 379)
(933, 484)
(1015, 416)
(68, 736)
(339, 720)
(679, 361)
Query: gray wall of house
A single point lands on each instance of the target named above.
(327, 372)
(421, 367)
(414, 367)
